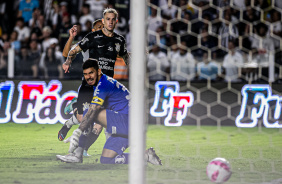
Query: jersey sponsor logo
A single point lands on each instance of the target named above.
(99, 46)
(171, 103)
(117, 47)
(36, 101)
(97, 100)
(97, 90)
(84, 41)
(114, 130)
(106, 60)
(107, 68)
(85, 106)
(98, 36)
(259, 103)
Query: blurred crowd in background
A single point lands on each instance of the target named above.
(230, 40)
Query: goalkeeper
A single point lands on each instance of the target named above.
(109, 108)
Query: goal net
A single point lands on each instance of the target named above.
(212, 89)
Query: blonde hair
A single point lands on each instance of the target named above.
(110, 10)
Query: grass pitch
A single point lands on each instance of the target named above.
(27, 155)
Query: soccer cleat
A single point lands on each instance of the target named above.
(69, 158)
(68, 108)
(85, 154)
(63, 132)
(152, 157)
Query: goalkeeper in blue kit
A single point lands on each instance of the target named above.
(109, 108)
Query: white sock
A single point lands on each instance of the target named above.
(72, 121)
(78, 152)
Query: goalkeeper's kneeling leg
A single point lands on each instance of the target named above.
(119, 159)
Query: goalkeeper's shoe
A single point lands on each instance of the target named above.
(63, 132)
(152, 157)
(85, 154)
(69, 108)
(70, 158)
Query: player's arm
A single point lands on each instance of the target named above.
(90, 116)
(73, 33)
(72, 53)
(126, 58)
(84, 45)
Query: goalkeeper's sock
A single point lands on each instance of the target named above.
(91, 138)
(82, 141)
(74, 105)
(72, 121)
(119, 159)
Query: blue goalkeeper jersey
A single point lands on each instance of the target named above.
(111, 94)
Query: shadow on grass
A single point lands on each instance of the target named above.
(50, 162)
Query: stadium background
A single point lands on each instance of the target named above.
(201, 28)
(28, 151)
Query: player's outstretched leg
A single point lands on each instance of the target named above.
(75, 157)
(152, 157)
(70, 107)
(66, 127)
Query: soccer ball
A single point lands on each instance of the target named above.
(219, 170)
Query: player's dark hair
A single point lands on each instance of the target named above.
(90, 63)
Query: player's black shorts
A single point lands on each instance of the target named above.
(85, 95)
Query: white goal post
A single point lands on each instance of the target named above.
(137, 89)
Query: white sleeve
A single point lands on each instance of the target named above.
(27, 33)
(240, 59)
(151, 61)
(225, 61)
(41, 62)
(59, 55)
(164, 59)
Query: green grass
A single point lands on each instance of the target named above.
(27, 155)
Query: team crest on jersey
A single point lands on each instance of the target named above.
(84, 41)
(85, 106)
(117, 47)
(97, 100)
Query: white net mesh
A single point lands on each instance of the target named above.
(213, 48)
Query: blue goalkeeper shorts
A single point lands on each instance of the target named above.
(117, 123)
(117, 144)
